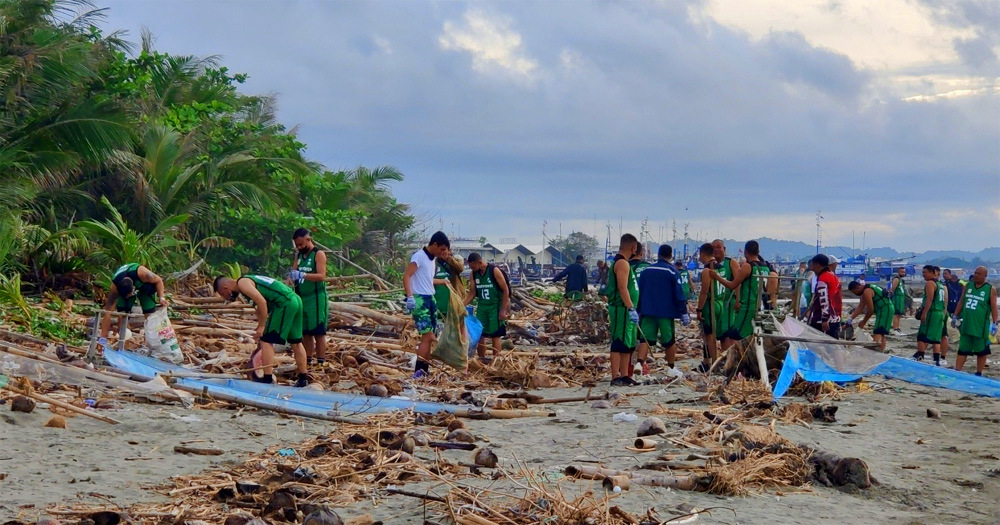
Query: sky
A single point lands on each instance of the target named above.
(739, 118)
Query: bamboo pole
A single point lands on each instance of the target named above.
(830, 341)
(369, 313)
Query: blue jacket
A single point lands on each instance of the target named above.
(660, 292)
(576, 278)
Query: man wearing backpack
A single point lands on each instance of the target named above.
(490, 287)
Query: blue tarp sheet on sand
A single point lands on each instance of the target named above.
(838, 363)
(305, 400)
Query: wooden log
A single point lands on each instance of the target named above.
(690, 482)
(212, 299)
(611, 482)
(379, 317)
(180, 449)
(490, 413)
(828, 341)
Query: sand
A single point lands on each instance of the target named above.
(929, 470)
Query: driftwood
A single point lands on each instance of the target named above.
(381, 318)
(62, 405)
(180, 449)
(675, 482)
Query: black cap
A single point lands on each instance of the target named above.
(821, 260)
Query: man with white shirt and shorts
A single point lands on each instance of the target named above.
(418, 283)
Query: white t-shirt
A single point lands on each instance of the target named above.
(422, 281)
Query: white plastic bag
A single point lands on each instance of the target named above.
(161, 339)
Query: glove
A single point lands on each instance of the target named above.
(410, 304)
(633, 315)
(297, 276)
(850, 322)
(993, 329)
(685, 319)
(468, 309)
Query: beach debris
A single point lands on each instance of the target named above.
(282, 503)
(603, 403)
(183, 449)
(323, 516)
(22, 404)
(616, 483)
(461, 435)
(377, 390)
(651, 426)
(420, 438)
(837, 471)
(624, 417)
(484, 457)
(645, 444)
(406, 444)
(933, 413)
(56, 421)
(247, 487)
(242, 517)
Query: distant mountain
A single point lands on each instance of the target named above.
(777, 249)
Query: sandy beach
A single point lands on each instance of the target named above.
(927, 470)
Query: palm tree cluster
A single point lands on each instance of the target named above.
(112, 152)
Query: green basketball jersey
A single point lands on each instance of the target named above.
(442, 296)
(880, 297)
(976, 310)
(935, 303)
(307, 264)
(722, 294)
(130, 270)
(685, 283)
(275, 292)
(614, 297)
(751, 286)
(486, 287)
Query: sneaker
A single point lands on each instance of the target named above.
(917, 356)
(942, 362)
(617, 381)
(673, 372)
(897, 331)
(302, 381)
(628, 381)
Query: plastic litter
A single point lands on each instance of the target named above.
(161, 339)
(286, 452)
(624, 417)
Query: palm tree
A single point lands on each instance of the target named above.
(116, 243)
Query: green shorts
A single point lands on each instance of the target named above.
(145, 295)
(931, 328)
(883, 321)
(424, 314)
(489, 315)
(742, 326)
(284, 323)
(622, 329)
(972, 345)
(651, 327)
(575, 296)
(899, 303)
(314, 313)
(723, 321)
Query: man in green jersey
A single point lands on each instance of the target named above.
(279, 320)
(489, 288)
(623, 319)
(748, 280)
(932, 316)
(978, 305)
(726, 268)
(874, 301)
(899, 291)
(709, 308)
(685, 278)
(130, 284)
(309, 277)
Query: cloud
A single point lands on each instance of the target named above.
(493, 45)
(615, 111)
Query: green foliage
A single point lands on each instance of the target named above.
(116, 244)
(554, 297)
(110, 156)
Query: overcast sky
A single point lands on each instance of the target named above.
(742, 118)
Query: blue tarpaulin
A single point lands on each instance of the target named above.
(304, 400)
(839, 363)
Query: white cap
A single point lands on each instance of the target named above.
(834, 259)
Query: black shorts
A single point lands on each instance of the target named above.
(618, 347)
(833, 332)
(922, 338)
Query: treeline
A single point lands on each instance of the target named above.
(113, 152)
